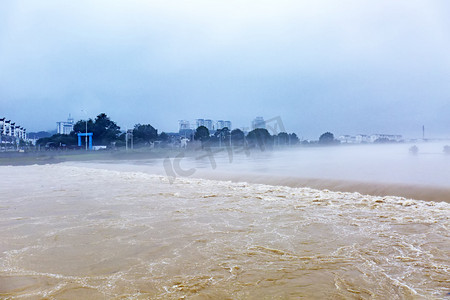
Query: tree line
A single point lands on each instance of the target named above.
(258, 137)
(107, 132)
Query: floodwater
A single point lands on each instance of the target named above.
(101, 231)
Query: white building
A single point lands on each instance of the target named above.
(65, 127)
(12, 129)
(347, 139)
(2, 126)
(362, 138)
(10, 132)
(389, 137)
(20, 133)
(5, 128)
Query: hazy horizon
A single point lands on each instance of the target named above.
(353, 67)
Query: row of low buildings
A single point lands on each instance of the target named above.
(373, 138)
(9, 130)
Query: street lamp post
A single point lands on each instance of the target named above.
(86, 137)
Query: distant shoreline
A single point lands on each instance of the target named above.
(53, 157)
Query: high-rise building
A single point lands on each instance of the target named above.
(184, 125)
(6, 127)
(65, 127)
(204, 122)
(209, 124)
(2, 126)
(185, 128)
(259, 122)
(11, 130)
(222, 124)
(199, 122)
(227, 124)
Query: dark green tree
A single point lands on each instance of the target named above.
(163, 137)
(80, 126)
(327, 138)
(237, 137)
(144, 134)
(283, 138)
(201, 134)
(105, 131)
(293, 138)
(260, 137)
(223, 136)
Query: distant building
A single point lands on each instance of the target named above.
(358, 139)
(347, 139)
(209, 124)
(185, 128)
(362, 138)
(20, 133)
(259, 122)
(222, 124)
(10, 132)
(184, 125)
(199, 122)
(205, 122)
(2, 126)
(6, 127)
(65, 127)
(386, 137)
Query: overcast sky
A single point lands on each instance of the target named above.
(348, 67)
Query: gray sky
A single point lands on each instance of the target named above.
(348, 67)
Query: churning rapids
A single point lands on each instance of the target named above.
(76, 232)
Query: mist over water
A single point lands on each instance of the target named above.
(385, 169)
(112, 229)
(366, 163)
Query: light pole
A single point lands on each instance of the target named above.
(86, 137)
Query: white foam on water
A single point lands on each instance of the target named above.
(78, 231)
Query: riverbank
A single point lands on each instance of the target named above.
(53, 157)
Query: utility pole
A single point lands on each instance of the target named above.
(86, 137)
(423, 132)
(132, 142)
